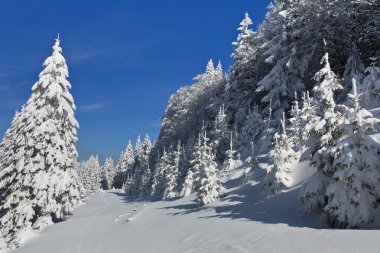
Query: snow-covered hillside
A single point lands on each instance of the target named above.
(245, 220)
(263, 158)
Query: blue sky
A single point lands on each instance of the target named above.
(125, 57)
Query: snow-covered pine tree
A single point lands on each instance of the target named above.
(220, 135)
(354, 191)
(305, 122)
(326, 129)
(9, 144)
(371, 85)
(230, 162)
(124, 166)
(90, 173)
(295, 129)
(38, 182)
(190, 184)
(108, 174)
(144, 174)
(134, 188)
(253, 126)
(266, 138)
(172, 172)
(287, 57)
(159, 177)
(283, 157)
(354, 68)
(207, 176)
(321, 148)
(241, 82)
(231, 152)
(251, 162)
(243, 44)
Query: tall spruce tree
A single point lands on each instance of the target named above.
(124, 166)
(207, 175)
(159, 177)
(321, 144)
(91, 174)
(354, 191)
(38, 182)
(282, 156)
(371, 85)
(171, 188)
(108, 174)
(143, 172)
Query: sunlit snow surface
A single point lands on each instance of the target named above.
(246, 220)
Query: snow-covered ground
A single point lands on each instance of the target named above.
(244, 221)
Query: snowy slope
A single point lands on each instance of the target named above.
(244, 221)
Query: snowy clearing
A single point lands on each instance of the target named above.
(239, 223)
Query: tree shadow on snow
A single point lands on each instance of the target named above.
(131, 199)
(251, 204)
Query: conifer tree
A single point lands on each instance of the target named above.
(241, 82)
(91, 174)
(304, 122)
(124, 166)
(282, 156)
(295, 129)
(209, 185)
(371, 85)
(108, 174)
(321, 146)
(327, 128)
(253, 127)
(139, 152)
(354, 68)
(220, 133)
(191, 184)
(142, 173)
(159, 177)
(354, 191)
(171, 189)
(287, 66)
(38, 181)
(243, 44)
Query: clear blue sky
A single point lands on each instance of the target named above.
(125, 57)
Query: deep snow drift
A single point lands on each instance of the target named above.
(245, 220)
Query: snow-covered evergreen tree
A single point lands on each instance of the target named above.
(242, 79)
(303, 122)
(354, 191)
(371, 85)
(108, 174)
(243, 44)
(91, 174)
(253, 126)
(326, 130)
(172, 172)
(159, 177)
(354, 68)
(295, 129)
(38, 182)
(220, 134)
(209, 185)
(321, 147)
(288, 64)
(312, 193)
(143, 173)
(124, 166)
(283, 158)
(191, 184)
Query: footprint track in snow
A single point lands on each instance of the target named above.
(130, 216)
